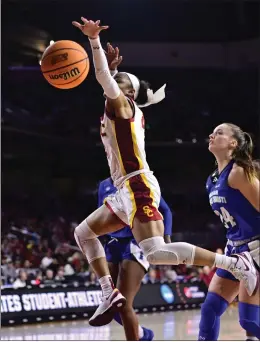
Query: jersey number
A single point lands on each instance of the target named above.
(225, 218)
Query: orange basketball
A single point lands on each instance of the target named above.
(65, 64)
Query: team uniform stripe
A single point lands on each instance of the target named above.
(136, 149)
(127, 147)
(119, 154)
(132, 198)
(151, 192)
(143, 201)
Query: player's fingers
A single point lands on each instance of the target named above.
(85, 21)
(97, 22)
(76, 24)
(109, 48)
(103, 28)
(117, 51)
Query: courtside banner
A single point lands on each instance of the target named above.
(38, 304)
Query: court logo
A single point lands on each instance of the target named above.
(193, 292)
(148, 212)
(167, 294)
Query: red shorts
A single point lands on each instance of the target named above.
(138, 197)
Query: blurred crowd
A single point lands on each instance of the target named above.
(37, 251)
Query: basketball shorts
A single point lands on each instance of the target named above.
(252, 247)
(118, 249)
(139, 197)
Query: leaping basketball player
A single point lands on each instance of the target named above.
(137, 198)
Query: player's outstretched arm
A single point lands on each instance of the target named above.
(115, 96)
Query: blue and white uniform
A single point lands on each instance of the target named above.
(239, 217)
(121, 244)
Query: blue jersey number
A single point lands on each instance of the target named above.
(225, 218)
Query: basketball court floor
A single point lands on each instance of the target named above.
(177, 325)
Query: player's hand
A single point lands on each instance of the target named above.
(89, 27)
(113, 58)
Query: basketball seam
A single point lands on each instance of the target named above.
(60, 50)
(54, 84)
(65, 66)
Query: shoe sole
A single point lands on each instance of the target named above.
(108, 315)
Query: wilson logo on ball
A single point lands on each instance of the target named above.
(59, 58)
(65, 75)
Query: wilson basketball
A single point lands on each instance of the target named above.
(65, 64)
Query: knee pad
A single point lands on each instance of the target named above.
(249, 318)
(158, 252)
(211, 311)
(88, 242)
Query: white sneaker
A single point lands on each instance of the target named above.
(245, 271)
(106, 310)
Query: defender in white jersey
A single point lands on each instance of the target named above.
(137, 199)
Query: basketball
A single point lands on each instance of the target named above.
(65, 64)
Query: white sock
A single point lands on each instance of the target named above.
(224, 261)
(140, 332)
(107, 285)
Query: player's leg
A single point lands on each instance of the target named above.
(137, 268)
(249, 307)
(249, 312)
(223, 289)
(149, 236)
(100, 222)
(130, 277)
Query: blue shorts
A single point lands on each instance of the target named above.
(118, 250)
(234, 250)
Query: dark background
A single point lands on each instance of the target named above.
(52, 158)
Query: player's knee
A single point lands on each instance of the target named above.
(151, 247)
(211, 310)
(84, 232)
(158, 252)
(249, 318)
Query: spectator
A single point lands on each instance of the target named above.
(60, 275)
(26, 265)
(151, 276)
(68, 270)
(49, 277)
(47, 260)
(9, 272)
(170, 275)
(207, 274)
(21, 281)
(38, 279)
